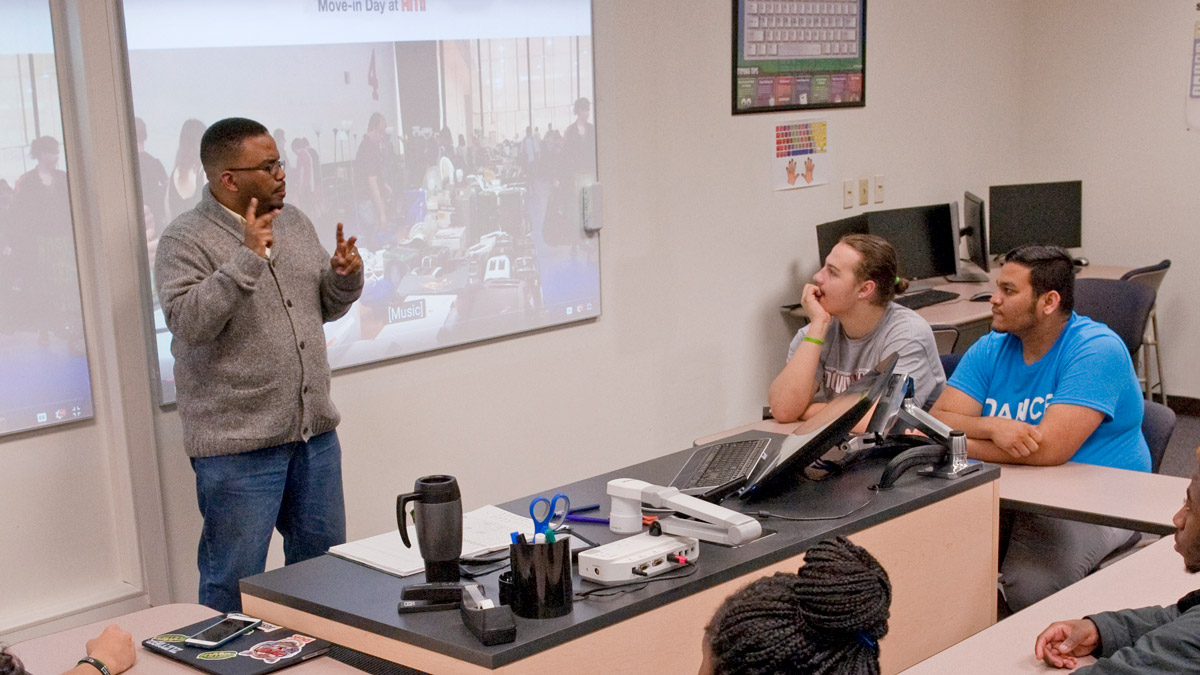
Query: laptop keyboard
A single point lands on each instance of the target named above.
(801, 30)
(726, 462)
(924, 298)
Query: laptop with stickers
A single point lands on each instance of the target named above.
(265, 649)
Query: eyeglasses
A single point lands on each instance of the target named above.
(273, 168)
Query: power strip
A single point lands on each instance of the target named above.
(615, 563)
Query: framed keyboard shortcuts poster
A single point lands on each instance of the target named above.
(796, 55)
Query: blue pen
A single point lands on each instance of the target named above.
(588, 519)
(514, 537)
(584, 509)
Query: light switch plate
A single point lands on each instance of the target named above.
(878, 180)
(848, 193)
(864, 191)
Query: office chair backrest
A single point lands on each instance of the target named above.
(1151, 275)
(945, 337)
(949, 363)
(1157, 426)
(1123, 306)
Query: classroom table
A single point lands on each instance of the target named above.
(1134, 500)
(59, 652)
(1153, 576)
(936, 538)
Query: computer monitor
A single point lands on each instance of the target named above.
(925, 238)
(1036, 213)
(975, 232)
(828, 234)
(831, 425)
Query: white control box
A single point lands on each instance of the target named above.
(591, 205)
(615, 563)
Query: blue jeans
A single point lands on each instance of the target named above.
(295, 488)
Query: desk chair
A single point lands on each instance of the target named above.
(1151, 276)
(1123, 306)
(945, 337)
(949, 363)
(1158, 424)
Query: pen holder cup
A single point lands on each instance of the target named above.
(541, 579)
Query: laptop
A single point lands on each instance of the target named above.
(266, 649)
(752, 461)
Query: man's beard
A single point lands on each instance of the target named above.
(1031, 315)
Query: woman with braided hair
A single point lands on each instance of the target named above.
(827, 619)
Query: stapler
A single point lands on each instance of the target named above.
(431, 597)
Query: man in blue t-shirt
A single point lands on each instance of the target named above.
(1047, 386)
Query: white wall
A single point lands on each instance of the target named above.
(1103, 89)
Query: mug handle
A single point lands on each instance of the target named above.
(401, 517)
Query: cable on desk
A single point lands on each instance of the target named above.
(765, 515)
(481, 566)
(628, 586)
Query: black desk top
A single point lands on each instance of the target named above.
(364, 598)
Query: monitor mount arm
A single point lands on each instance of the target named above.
(708, 522)
(944, 457)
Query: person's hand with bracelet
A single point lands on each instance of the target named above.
(109, 653)
(818, 317)
(791, 393)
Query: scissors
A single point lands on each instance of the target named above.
(547, 514)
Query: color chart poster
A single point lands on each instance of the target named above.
(801, 155)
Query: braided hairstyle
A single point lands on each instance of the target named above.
(9, 664)
(827, 619)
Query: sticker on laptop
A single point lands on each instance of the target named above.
(165, 646)
(171, 637)
(268, 627)
(216, 656)
(274, 651)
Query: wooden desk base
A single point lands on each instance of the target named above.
(942, 560)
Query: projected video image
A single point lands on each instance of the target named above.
(43, 360)
(456, 162)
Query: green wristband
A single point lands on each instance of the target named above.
(815, 341)
(96, 663)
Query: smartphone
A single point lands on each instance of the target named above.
(223, 631)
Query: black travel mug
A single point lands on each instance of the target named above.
(438, 515)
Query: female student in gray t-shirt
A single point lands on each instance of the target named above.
(853, 324)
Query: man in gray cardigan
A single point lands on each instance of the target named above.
(245, 287)
(1146, 641)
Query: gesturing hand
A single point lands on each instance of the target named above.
(257, 233)
(345, 260)
(1063, 641)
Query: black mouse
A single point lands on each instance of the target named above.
(981, 297)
